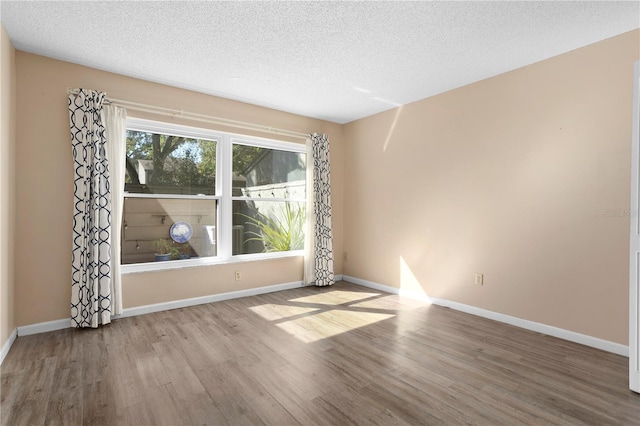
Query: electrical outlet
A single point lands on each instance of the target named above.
(238, 276)
(479, 278)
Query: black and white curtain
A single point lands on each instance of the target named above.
(91, 298)
(319, 236)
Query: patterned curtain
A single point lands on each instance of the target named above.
(91, 246)
(319, 243)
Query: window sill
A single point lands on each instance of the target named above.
(200, 262)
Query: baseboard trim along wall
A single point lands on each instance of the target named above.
(583, 339)
(184, 303)
(44, 327)
(571, 336)
(7, 345)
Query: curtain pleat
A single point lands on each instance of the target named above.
(319, 261)
(115, 121)
(91, 239)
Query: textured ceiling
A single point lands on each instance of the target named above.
(337, 61)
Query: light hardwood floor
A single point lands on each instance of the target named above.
(331, 356)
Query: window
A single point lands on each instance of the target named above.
(268, 198)
(201, 196)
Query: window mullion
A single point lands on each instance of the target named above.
(226, 205)
(171, 196)
(278, 199)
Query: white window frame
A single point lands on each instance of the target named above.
(224, 143)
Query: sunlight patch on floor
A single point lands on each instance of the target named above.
(327, 314)
(336, 297)
(314, 327)
(391, 303)
(277, 312)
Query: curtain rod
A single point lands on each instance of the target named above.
(198, 117)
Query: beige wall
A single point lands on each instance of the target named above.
(511, 177)
(44, 189)
(7, 184)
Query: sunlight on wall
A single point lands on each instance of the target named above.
(409, 284)
(392, 128)
(317, 317)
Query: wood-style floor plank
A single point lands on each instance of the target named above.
(312, 356)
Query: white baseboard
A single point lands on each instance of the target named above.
(44, 327)
(371, 284)
(561, 333)
(175, 304)
(7, 344)
(387, 289)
